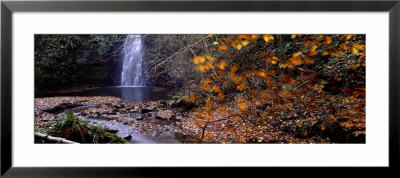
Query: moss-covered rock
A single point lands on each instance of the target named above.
(78, 129)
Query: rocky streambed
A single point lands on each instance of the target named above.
(139, 122)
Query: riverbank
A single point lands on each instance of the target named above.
(139, 122)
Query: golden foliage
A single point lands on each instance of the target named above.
(268, 38)
(234, 68)
(295, 59)
(354, 50)
(221, 65)
(238, 46)
(245, 42)
(198, 59)
(241, 87)
(328, 40)
(283, 87)
(222, 46)
(190, 99)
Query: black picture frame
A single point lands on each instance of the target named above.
(8, 7)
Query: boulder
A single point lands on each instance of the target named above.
(61, 107)
(147, 110)
(128, 137)
(139, 118)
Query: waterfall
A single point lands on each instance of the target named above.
(133, 66)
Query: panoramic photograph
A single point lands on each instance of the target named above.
(199, 88)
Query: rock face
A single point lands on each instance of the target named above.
(166, 80)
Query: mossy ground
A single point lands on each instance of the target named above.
(77, 129)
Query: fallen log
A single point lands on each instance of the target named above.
(42, 138)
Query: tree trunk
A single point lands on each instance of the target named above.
(42, 138)
(281, 48)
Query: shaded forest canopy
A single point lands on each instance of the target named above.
(246, 88)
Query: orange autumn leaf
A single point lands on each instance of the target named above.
(270, 80)
(308, 61)
(222, 46)
(241, 87)
(221, 65)
(359, 47)
(354, 51)
(221, 73)
(348, 37)
(190, 99)
(295, 60)
(328, 40)
(319, 37)
(261, 73)
(198, 59)
(201, 68)
(238, 46)
(242, 106)
(268, 38)
(234, 68)
(245, 43)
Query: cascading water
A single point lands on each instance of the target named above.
(132, 70)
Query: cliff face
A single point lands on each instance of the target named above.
(71, 61)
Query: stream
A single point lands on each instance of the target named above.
(164, 135)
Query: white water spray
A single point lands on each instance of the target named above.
(132, 70)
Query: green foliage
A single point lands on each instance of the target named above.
(100, 135)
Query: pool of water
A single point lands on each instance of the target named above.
(128, 94)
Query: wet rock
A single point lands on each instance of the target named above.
(128, 137)
(61, 107)
(132, 111)
(172, 117)
(163, 103)
(109, 104)
(111, 130)
(139, 118)
(147, 110)
(160, 118)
